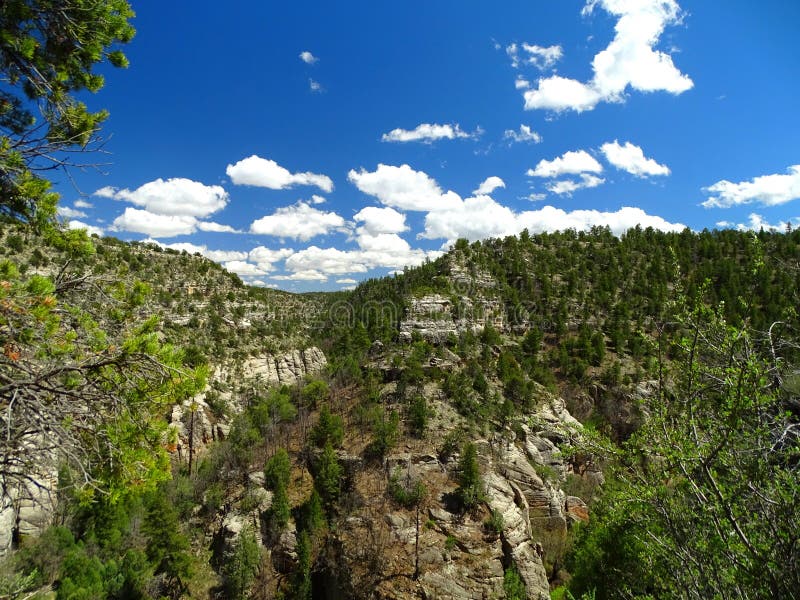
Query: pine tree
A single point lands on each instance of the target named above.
(470, 489)
(328, 477)
(241, 567)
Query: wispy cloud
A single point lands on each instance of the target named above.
(430, 132)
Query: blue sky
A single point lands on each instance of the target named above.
(311, 145)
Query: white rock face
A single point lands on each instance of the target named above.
(287, 369)
(193, 418)
(27, 507)
(508, 495)
(435, 318)
(8, 520)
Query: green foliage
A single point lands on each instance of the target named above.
(279, 511)
(328, 429)
(385, 430)
(328, 477)
(407, 492)
(458, 385)
(266, 414)
(44, 556)
(314, 393)
(490, 336)
(278, 469)
(167, 549)
(17, 585)
(450, 444)
(120, 370)
(239, 570)
(47, 55)
(704, 488)
(495, 522)
(85, 577)
(301, 578)
(242, 441)
(311, 514)
(470, 483)
(418, 415)
(129, 549)
(513, 586)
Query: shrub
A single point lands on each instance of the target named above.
(513, 585)
(495, 522)
(406, 493)
(418, 415)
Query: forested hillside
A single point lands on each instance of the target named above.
(677, 353)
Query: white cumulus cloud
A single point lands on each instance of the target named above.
(266, 258)
(402, 187)
(380, 220)
(263, 172)
(154, 225)
(90, 229)
(176, 197)
(489, 185)
(69, 213)
(429, 133)
(481, 217)
(216, 227)
(570, 163)
(525, 134)
(474, 218)
(631, 158)
(387, 250)
(309, 275)
(550, 218)
(768, 190)
(244, 268)
(299, 221)
(307, 57)
(568, 186)
(630, 60)
(219, 256)
(756, 222)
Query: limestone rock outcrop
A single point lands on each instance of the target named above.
(28, 503)
(288, 368)
(194, 420)
(435, 318)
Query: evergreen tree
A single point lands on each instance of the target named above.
(241, 567)
(301, 580)
(278, 469)
(418, 415)
(166, 548)
(47, 56)
(470, 489)
(328, 477)
(329, 429)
